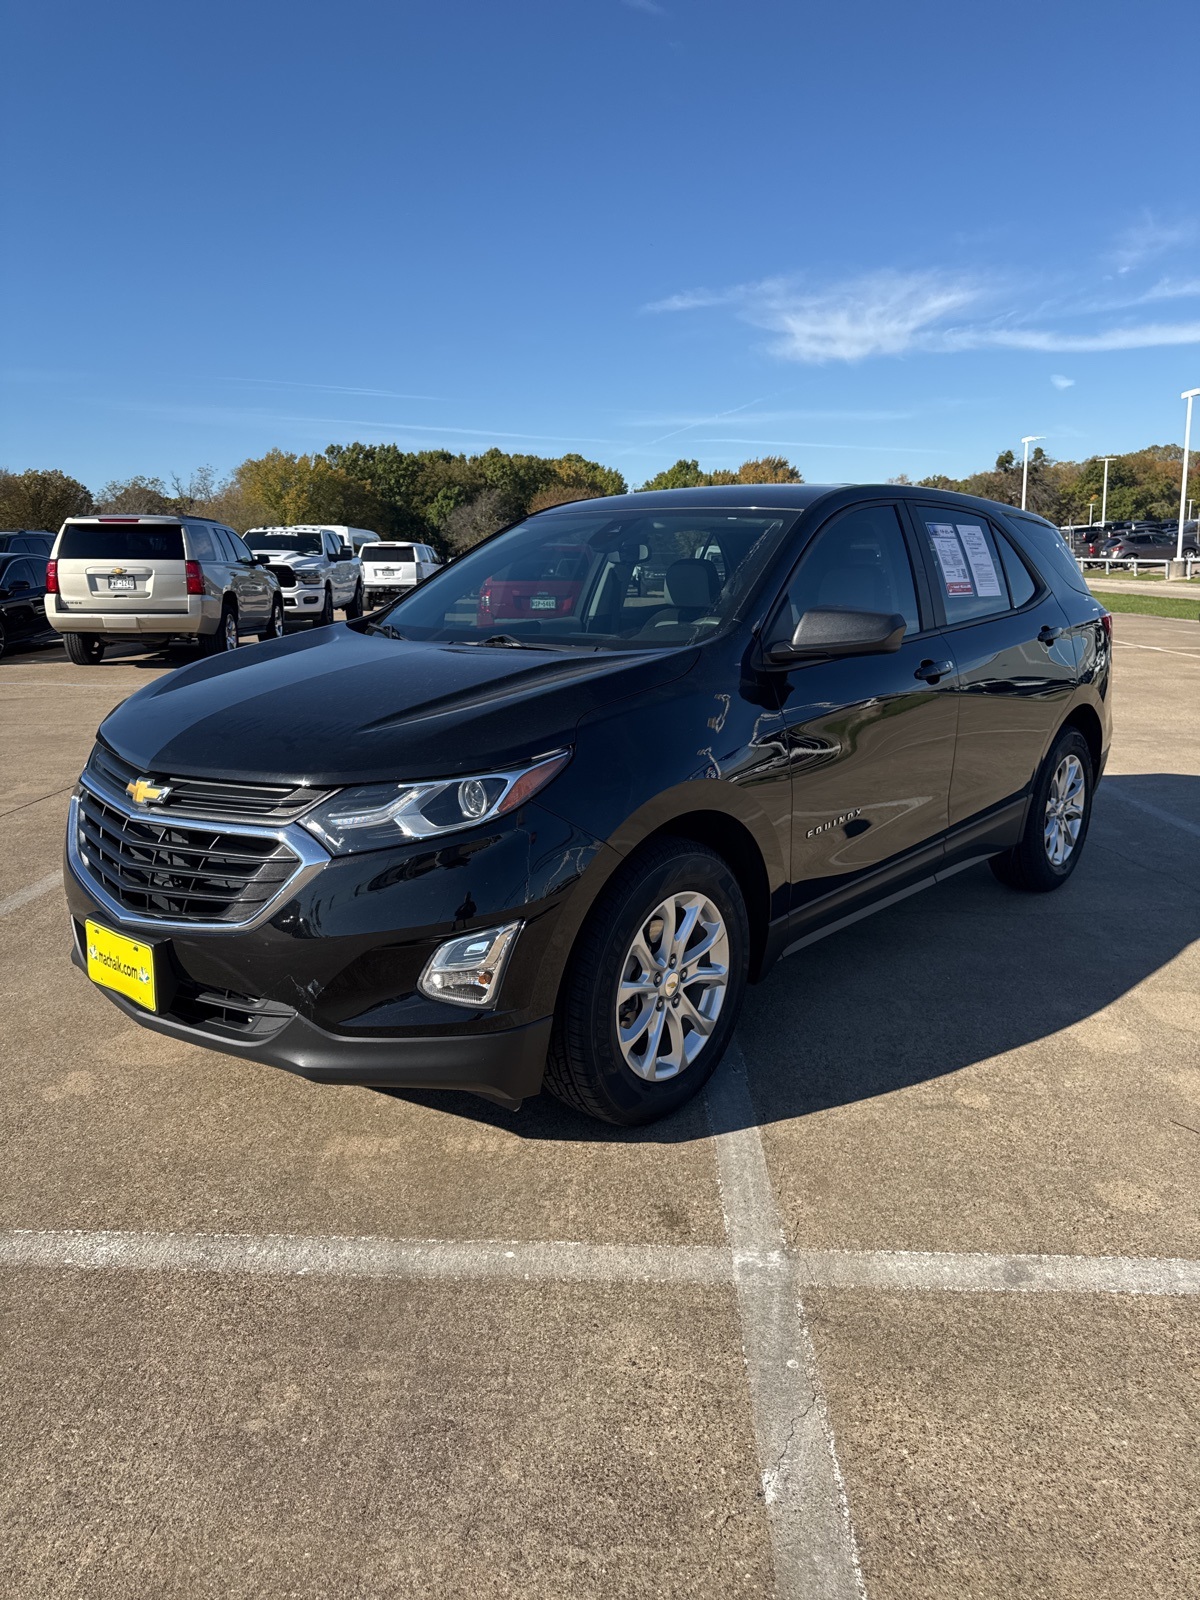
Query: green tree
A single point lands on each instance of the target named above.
(683, 475)
(768, 469)
(41, 499)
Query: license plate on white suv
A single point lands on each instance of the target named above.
(122, 583)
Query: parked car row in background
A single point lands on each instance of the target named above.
(1124, 541)
(157, 580)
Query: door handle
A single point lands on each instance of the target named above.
(1047, 634)
(931, 671)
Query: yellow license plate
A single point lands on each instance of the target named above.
(125, 965)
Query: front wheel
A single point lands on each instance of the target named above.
(355, 608)
(1060, 809)
(654, 986)
(325, 619)
(84, 649)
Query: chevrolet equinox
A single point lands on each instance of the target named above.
(541, 821)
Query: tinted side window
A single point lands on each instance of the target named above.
(858, 562)
(19, 572)
(1020, 585)
(241, 550)
(1051, 554)
(200, 543)
(966, 565)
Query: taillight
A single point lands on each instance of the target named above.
(52, 577)
(485, 598)
(1106, 624)
(195, 578)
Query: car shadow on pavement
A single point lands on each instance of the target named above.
(951, 977)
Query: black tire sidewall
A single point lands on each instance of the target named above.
(591, 992)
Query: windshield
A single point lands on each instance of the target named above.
(305, 544)
(634, 580)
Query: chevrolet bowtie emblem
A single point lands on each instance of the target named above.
(143, 793)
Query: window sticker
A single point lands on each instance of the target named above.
(955, 574)
(987, 579)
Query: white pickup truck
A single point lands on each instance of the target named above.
(317, 573)
(392, 567)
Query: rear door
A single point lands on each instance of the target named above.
(120, 567)
(1015, 659)
(870, 738)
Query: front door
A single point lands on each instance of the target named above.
(1015, 659)
(870, 738)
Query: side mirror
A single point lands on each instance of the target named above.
(831, 631)
(261, 561)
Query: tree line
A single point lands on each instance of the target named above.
(452, 501)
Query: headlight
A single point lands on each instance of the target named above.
(308, 577)
(382, 814)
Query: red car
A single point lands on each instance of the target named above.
(548, 584)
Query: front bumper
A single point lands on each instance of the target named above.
(324, 983)
(303, 598)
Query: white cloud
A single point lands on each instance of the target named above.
(1147, 240)
(1060, 382)
(894, 313)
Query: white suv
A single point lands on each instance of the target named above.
(316, 570)
(391, 569)
(153, 579)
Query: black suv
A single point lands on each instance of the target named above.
(499, 837)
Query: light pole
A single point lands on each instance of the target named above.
(1104, 502)
(1189, 395)
(1027, 441)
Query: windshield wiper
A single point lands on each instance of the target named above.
(386, 629)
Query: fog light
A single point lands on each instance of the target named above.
(467, 971)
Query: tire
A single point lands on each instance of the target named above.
(3, 641)
(84, 649)
(325, 620)
(588, 1067)
(1031, 864)
(355, 608)
(274, 628)
(226, 636)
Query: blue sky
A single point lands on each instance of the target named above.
(873, 238)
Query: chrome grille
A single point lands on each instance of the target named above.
(185, 872)
(204, 797)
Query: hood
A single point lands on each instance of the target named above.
(338, 705)
(288, 558)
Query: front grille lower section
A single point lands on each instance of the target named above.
(204, 797)
(157, 867)
(226, 1011)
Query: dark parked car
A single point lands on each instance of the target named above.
(418, 850)
(23, 602)
(27, 541)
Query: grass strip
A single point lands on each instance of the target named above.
(1149, 605)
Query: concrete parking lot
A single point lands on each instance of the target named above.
(908, 1305)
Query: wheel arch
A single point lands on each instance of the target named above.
(1085, 719)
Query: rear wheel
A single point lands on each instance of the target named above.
(355, 608)
(1060, 809)
(226, 636)
(84, 649)
(654, 986)
(274, 628)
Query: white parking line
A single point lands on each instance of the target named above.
(1161, 649)
(31, 891)
(812, 1537)
(289, 1255)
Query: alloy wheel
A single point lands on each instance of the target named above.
(231, 631)
(672, 986)
(1064, 810)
